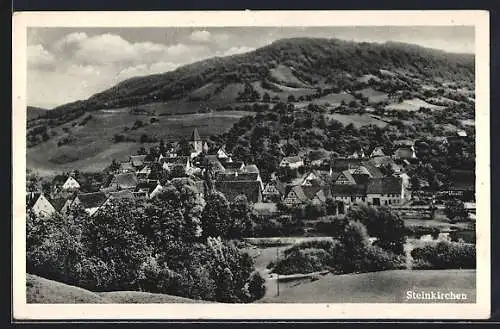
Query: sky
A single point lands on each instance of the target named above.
(69, 64)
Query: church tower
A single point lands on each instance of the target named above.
(196, 142)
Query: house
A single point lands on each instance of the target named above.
(70, 184)
(126, 181)
(348, 194)
(252, 169)
(205, 147)
(252, 189)
(39, 204)
(91, 202)
(144, 172)
(117, 196)
(145, 188)
(61, 205)
(359, 154)
(126, 167)
(315, 177)
(344, 178)
(137, 161)
(404, 152)
(271, 193)
(168, 163)
(295, 196)
(461, 133)
(377, 152)
(292, 162)
(341, 164)
(366, 168)
(233, 166)
(157, 190)
(385, 161)
(385, 191)
(212, 162)
(221, 154)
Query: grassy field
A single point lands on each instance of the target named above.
(376, 287)
(43, 291)
(357, 120)
(93, 148)
(374, 96)
(412, 105)
(335, 99)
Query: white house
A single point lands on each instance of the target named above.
(71, 184)
(40, 205)
(292, 162)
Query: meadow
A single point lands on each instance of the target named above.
(91, 146)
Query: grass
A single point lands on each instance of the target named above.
(335, 99)
(376, 287)
(284, 74)
(357, 120)
(412, 105)
(93, 147)
(374, 96)
(43, 291)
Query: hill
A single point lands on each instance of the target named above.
(376, 287)
(43, 291)
(34, 112)
(300, 63)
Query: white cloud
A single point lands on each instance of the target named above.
(68, 43)
(200, 36)
(39, 57)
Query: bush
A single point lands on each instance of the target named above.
(303, 261)
(256, 286)
(447, 255)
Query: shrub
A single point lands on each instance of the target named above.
(303, 261)
(256, 286)
(447, 255)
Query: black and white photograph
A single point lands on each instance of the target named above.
(241, 161)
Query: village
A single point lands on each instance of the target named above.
(352, 180)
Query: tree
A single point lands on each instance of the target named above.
(241, 217)
(455, 210)
(291, 98)
(383, 224)
(256, 286)
(184, 148)
(215, 219)
(266, 98)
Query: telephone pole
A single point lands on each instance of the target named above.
(277, 275)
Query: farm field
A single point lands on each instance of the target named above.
(412, 105)
(92, 147)
(357, 120)
(374, 96)
(375, 287)
(334, 99)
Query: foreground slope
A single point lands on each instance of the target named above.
(43, 291)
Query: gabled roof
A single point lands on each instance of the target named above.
(122, 195)
(137, 160)
(299, 193)
(347, 175)
(372, 170)
(385, 185)
(356, 190)
(340, 164)
(268, 186)
(233, 165)
(195, 136)
(125, 181)
(251, 169)
(58, 203)
(31, 198)
(377, 151)
(92, 200)
(231, 189)
(146, 185)
(381, 161)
